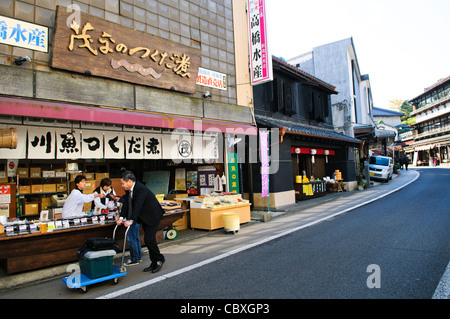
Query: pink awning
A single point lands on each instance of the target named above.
(42, 109)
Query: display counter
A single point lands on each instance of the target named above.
(22, 251)
(206, 212)
(211, 218)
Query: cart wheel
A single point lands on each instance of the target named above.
(172, 234)
(83, 289)
(115, 281)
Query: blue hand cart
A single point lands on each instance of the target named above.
(77, 280)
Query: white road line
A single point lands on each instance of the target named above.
(238, 250)
(443, 289)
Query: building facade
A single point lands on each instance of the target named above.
(98, 86)
(432, 139)
(352, 107)
(298, 106)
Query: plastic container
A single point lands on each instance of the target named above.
(99, 253)
(96, 267)
(231, 221)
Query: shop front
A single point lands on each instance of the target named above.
(55, 147)
(108, 102)
(311, 172)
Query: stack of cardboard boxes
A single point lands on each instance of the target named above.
(41, 183)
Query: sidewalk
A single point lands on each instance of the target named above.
(305, 212)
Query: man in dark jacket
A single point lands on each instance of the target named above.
(141, 205)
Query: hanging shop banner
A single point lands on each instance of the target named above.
(41, 143)
(233, 172)
(134, 145)
(210, 149)
(23, 34)
(177, 146)
(20, 152)
(260, 57)
(152, 146)
(101, 48)
(114, 145)
(212, 79)
(264, 156)
(68, 144)
(92, 144)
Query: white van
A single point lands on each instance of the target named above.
(381, 167)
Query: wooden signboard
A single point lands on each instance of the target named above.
(97, 47)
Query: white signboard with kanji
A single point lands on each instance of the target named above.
(91, 144)
(41, 142)
(260, 58)
(114, 145)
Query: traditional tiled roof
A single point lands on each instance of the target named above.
(306, 130)
(376, 111)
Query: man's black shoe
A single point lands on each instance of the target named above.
(158, 266)
(150, 268)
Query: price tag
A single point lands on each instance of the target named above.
(66, 223)
(76, 221)
(9, 229)
(94, 220)
(84, 220)
(33, 228)
(22, 228)
(58, 224)
(51, 226)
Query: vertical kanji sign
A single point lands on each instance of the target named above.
(260, 58)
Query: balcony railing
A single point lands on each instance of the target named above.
(431, 105)
(440, 130)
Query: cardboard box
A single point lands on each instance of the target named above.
(37, 188)
(181, 223)
(90, 187)
(100, 176)
(35, 172)
(31, 208)
(44, 202)
(48, 173)
(22, 171)
(25, 189)
(49, 188)
(60, 174)
(73, 175)
(61, 187)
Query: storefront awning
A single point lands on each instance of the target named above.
(61, 111)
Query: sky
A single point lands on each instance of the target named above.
(403, 45)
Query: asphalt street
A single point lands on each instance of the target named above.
(405, 234)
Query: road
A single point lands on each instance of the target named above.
(398, 245)
(405, 234)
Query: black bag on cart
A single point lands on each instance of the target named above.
(101, 244)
